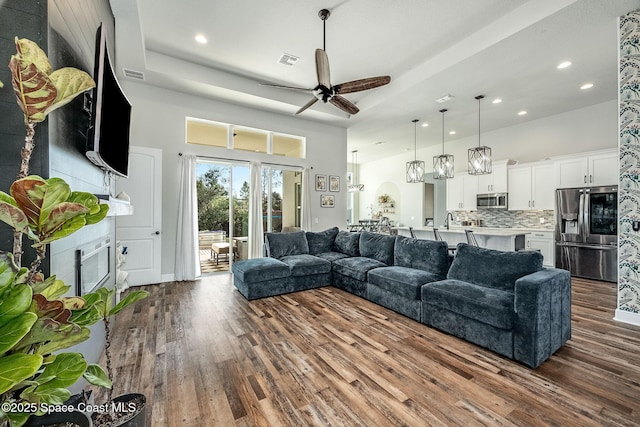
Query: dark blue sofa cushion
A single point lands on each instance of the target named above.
(347, 243)
(283, 244)
(260, 269)
(492, 268)
(427, 255)
(322, 241)
(402, 281)
(356, 267)
(306, 265)
(377, 246)
(332, 256)
(487, 305)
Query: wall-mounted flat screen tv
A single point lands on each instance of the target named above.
(108, 136)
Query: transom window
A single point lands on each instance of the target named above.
(224, 135)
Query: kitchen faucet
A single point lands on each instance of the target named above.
(446, 221)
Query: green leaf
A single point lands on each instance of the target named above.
(64, 371)
(15, 329)
(18, 419)
(99, 216)
(65, 220)
(69, 82)
(15, 368)
(51, 288)
(34, 90)
(11, 214)
(131, 298)
(86, 317)
(30, 51)
(51, 336)
(97, 376)
(14, 301)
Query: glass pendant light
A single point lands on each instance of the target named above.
(354, 187)
(479, 157)
(443, 164)
(415, 168)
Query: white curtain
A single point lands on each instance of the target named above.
(256, 240)
(306, 201)
(187, 264)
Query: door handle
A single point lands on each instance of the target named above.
(155, 233)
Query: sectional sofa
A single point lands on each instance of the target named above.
(504, 301)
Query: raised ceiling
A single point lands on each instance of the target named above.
(506, 49)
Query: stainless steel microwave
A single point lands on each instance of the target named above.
(492, 201)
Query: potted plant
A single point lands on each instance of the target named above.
(36, 320)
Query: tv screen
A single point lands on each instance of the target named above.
(108, 136)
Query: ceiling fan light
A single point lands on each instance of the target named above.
(479, 160)
(443, 166)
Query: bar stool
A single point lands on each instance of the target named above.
(438, 236)
(413, 233)
(471, 239)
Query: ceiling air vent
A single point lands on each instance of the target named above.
(133, 74)
(288, 59)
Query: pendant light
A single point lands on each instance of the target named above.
(354, 187)
(443, 164)
(479, 157)
(415, 168)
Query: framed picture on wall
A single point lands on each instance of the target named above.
(321, 182)
(334, 183)
(327, 201)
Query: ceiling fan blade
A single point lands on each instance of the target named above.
(299, 89)
(362, 84)
(322, 68)
(344, 104)
(307, 105)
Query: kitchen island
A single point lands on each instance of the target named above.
(504, 239)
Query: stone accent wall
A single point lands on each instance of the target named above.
(629, 188)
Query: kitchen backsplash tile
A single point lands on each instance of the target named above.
(506, 219)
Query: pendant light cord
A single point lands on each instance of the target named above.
(444, 110)
(415, 138)
(479, 98)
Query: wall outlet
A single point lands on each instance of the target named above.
(541, 220)
(315, 220)
(635, 225)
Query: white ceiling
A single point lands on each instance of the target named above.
(506, 49)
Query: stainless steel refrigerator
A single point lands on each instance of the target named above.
(586, 232)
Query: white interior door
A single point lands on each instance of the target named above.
(140, 232)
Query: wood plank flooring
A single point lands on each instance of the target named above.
(204, 356)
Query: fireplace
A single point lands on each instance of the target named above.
(93, 262)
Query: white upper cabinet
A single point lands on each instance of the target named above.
(461, 193)
(496, 181)
(532, 187)
(588, 170)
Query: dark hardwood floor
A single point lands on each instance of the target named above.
(204, 356)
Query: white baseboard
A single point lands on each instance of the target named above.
(167, 278)
(627, 317)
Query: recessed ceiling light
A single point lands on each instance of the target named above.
(200, 38)
(379, 142)
(586, 86)
(453, 132)
(564, 64)
(522, 113)
(424, 125)
(496, 101)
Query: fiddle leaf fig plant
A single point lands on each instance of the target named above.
(37, 320)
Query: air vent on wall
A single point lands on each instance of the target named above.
(288, 59)
(133, 74)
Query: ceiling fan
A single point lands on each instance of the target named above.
(325, 91)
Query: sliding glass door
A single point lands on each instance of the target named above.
(281, 199)
(223, 214)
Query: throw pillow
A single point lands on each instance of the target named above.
(284, 244)
(322, 241)
(347, 243)
(377, 246)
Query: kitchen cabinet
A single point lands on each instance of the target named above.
(461, 193)
(532, 187)
(588, 170)
(496, 181)
(542, 241)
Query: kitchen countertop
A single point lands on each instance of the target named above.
(479, 231)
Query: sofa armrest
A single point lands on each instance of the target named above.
(542, 304)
